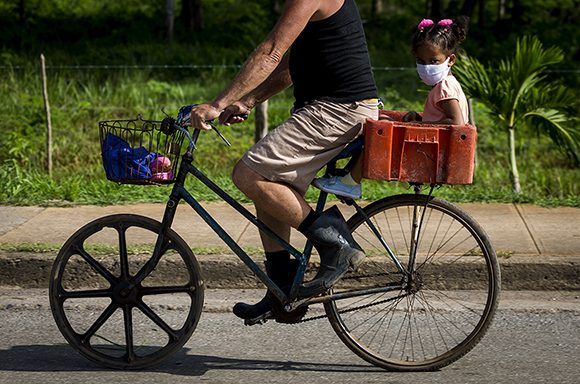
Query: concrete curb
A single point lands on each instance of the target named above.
(538, 247)
(32, 270)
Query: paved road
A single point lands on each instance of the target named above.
(534, 339)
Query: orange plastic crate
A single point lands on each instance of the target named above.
(419, 153)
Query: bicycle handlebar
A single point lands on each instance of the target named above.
(169, 125)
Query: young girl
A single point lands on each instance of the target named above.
(435, 47)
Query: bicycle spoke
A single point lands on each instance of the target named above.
(189, 289)
(157, 320)
(117, 329)
(153, 261)
(450, 322)
(96, 293)
(376, 301)
(425, 327)
(382, 315)
(434, 293)
(128, 319)
(403, 231)
(124, 260)
(428, 318)
(419, 338)
(98, 267)
(107, 313)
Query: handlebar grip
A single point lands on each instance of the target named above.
(168, 125)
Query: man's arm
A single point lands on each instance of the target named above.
(278, 81)
(275, 83)
(263, 61)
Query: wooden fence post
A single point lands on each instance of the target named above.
(169, 8)
(48, 121)
(261, 121)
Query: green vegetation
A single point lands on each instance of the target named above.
(131, 33)
(519, 94)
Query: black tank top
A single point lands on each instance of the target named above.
(330, 60)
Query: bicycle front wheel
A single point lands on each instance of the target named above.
(105, 313)
(432, 309)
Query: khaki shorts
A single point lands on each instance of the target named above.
(313, 135)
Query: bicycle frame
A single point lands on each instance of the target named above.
(179, 192)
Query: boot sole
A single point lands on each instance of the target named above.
(356, 261)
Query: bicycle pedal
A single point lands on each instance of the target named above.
(260, 319)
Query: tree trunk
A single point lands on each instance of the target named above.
(278, 6)
(169, 8)
(376, 8)
(192, 15)
(517, 12)
(500, 9)
(515, 176)
(468, 7)
(22, 22)
(481, 18)
(21, 11)
(197, 15)
(261, 121)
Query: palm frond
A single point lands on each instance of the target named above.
(473, 77)
(517, 92)
(561, 128)
(525, 70)
(552, 95)
(479, 82)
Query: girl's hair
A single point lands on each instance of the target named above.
(446, 34)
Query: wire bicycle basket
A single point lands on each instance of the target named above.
(138, 152)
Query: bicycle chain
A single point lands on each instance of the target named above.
(355, 308)
(271, 316)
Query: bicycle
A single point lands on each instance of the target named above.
(424, 296)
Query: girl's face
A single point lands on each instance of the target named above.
(429, 55)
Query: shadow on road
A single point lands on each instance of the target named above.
(61, 357)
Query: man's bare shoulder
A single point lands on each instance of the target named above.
(321, 9)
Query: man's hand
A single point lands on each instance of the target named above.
(412, 116)
(201, 114)
(235, 113)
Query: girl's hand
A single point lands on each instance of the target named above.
(235, 113)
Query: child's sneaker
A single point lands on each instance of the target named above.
(334, 185)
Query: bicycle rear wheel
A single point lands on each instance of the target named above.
(104, 313)
(442, 303)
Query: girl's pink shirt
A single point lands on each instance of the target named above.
(446, 89)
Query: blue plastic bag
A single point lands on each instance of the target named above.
(121, 162)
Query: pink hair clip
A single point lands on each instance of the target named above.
(445, 22)
(424, 24)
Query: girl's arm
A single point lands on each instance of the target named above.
(452, 113)
(451, 110)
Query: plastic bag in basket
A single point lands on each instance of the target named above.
(121, 162)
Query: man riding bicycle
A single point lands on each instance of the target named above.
(329, 67)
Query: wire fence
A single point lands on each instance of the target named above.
(210, 66)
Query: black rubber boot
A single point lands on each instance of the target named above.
(282, 273)
(338, 251)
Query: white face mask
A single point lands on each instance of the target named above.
(433, 73)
